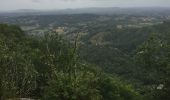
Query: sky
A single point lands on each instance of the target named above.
(6, 5)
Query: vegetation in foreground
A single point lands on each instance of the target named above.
(49, 68)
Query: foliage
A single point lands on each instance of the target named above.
(16, 70)
(153, 62)
(49, 68)
(52, 68)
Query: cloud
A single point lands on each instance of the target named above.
(35, 0)
(52, 0)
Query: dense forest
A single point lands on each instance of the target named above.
(138, 55)
(48, 68)
(134, 65)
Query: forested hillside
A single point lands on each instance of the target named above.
(51, 67)
(138, 55)
(48, 68)
(105, 62)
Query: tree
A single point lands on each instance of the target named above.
(152, 60)
(18, 76)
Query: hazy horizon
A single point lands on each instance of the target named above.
(8, 5)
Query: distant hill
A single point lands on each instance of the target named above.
(109, 10)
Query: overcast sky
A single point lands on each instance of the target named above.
(62, 4)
